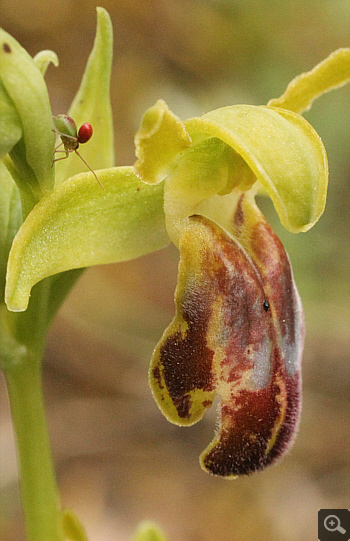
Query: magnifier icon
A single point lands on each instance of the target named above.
(332, 524)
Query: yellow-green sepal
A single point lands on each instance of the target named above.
(92, 104)
(79, 225)
(282, 150)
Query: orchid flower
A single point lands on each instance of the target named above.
(238, 329)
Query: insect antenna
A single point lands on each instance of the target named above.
(88, 166)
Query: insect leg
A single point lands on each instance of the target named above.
(58, 146)
(63, 157)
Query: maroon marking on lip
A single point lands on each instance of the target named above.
(207, 403)
(271, 259)
(238, 218)
(269, 254)
(288, 431)
(227, 273)
(157, 376)
(243, 445)
(276, 271)
(187, 361)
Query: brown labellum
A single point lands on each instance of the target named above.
(237, 332)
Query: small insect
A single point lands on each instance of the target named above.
(266, 305)
(71, 138)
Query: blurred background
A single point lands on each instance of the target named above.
(118, 460)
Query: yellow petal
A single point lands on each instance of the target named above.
(160, 139)
(331, 73)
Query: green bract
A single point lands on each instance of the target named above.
(31, 151)
(121, 222)
(92, 104)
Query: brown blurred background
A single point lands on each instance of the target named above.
(118, 460)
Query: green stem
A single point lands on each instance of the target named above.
(39, 495)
